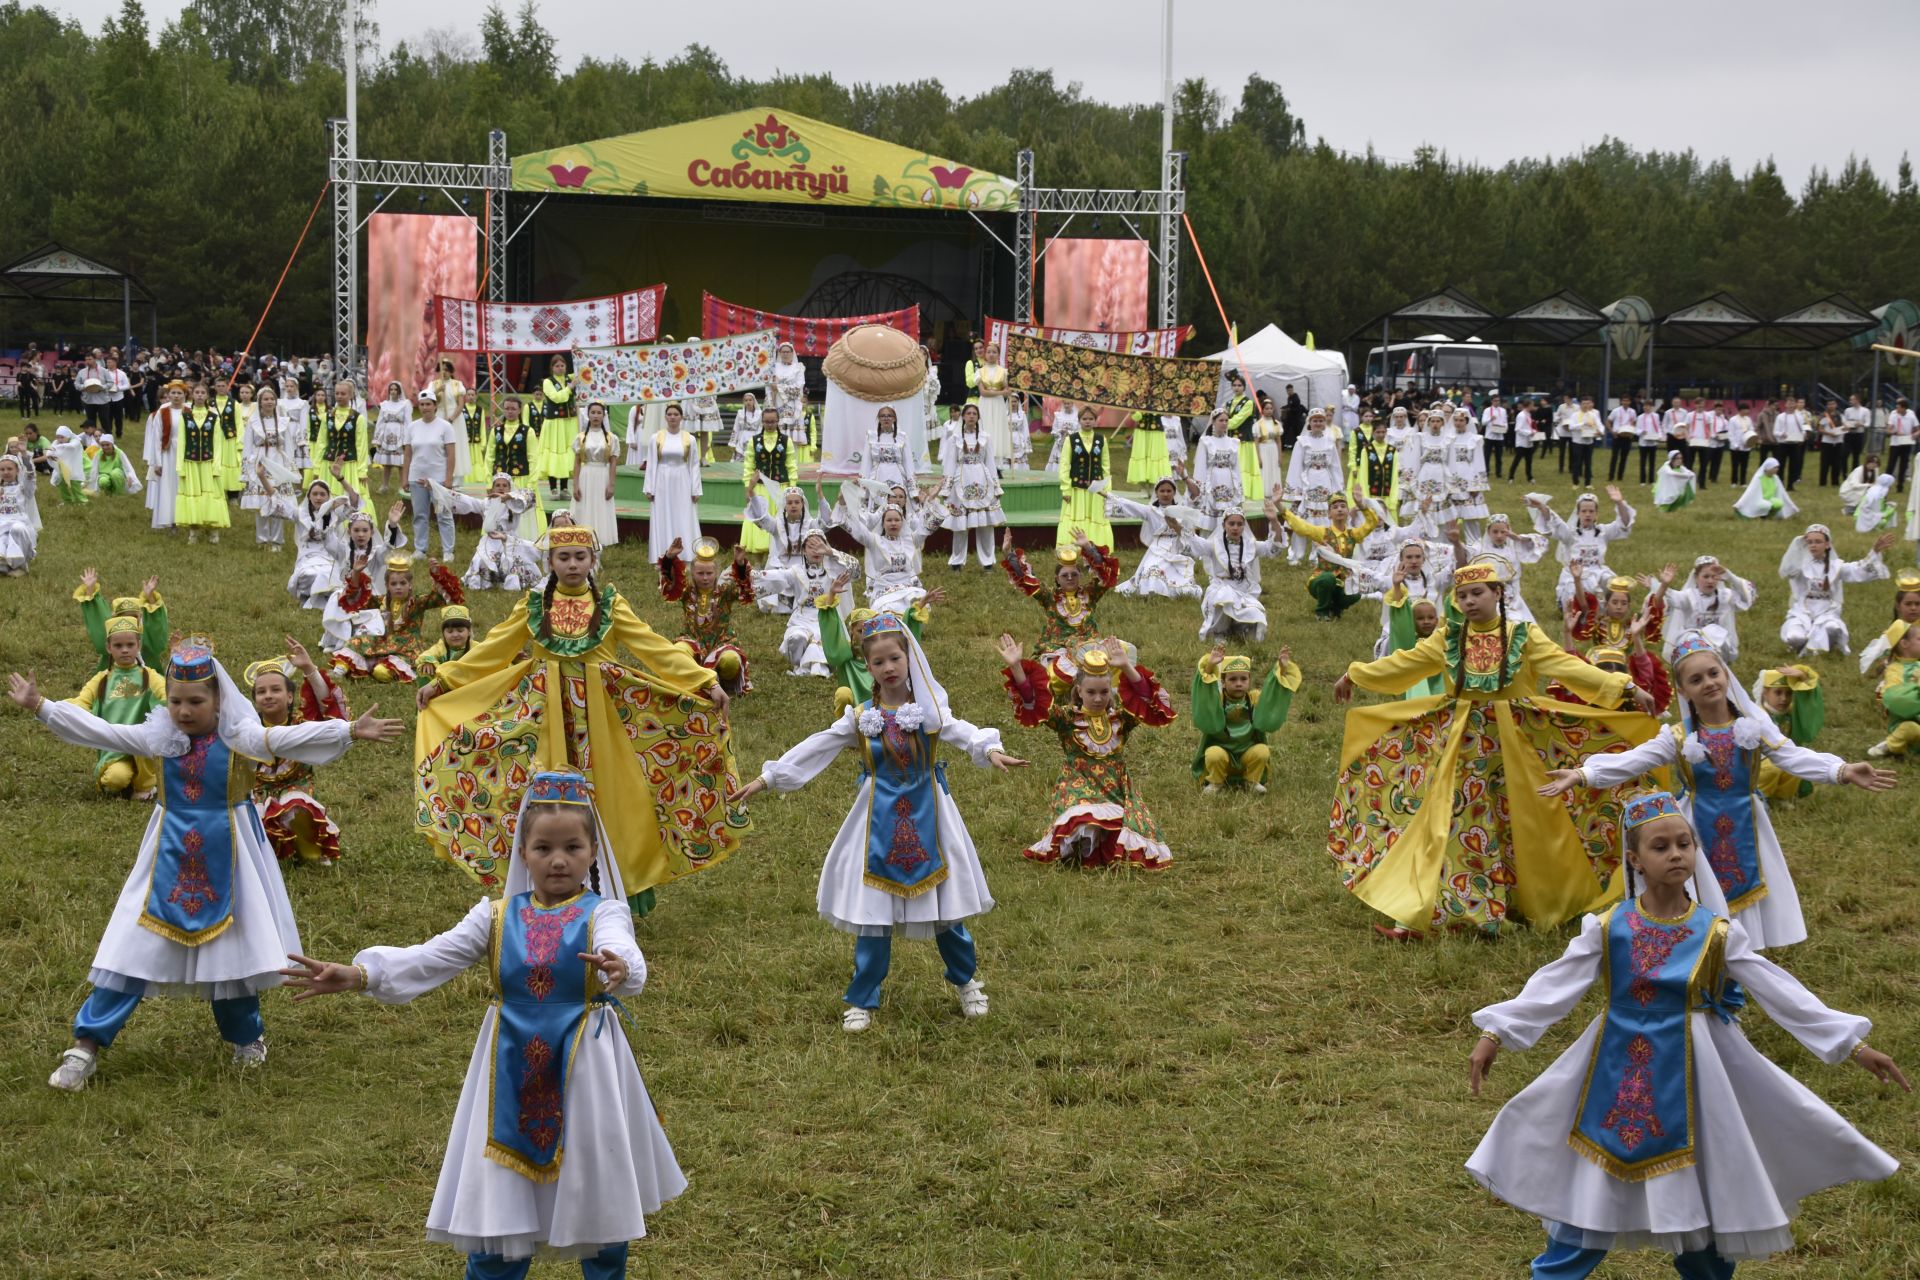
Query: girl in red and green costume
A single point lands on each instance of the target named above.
(1099, 815)
(388, 655)
(290, 690)
(706, 607)
(1082, 574)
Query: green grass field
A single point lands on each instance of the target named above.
(1215, 1071)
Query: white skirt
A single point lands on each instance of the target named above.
(615, 1167)
(995, 426)
(243, 960)
(1775, 920)
(17, 543)
(591, 506)
(1222, 605)
(850, 904)
(1763, 1142)
(1162, 573)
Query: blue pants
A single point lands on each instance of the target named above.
(105, 1012)
(1571, 1262)
(422, 496)
(608, 1264)
(871, 957)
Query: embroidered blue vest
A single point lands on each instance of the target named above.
(1636, 1108)
(541, 995)
(1724, 797)
(903, 821)
(190, 893)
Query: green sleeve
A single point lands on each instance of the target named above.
(1400, 632)
(1902, 700)
(93, 612)
(156, 636)
(1808, 716)
(916, 623)
(1209, 715)
(834, 641)
(1276, 699)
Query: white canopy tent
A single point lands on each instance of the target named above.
(1273, 360)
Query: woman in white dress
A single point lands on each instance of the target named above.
(703, 419)
(1582, 545)
(502, 560)
(1424, 465)
(1166, 569)
(787, 531)
(19, 515)
(804, 584)
(1710, 602)
(1215, 481)
(1467, 474)
(319, 542)
(972, 488)
(902, 862)
(1818, 578)
(996, 418)
(1662, 1127)
(888, 457)
(892, 538)
(390, 425)
(673, 487)
(596, 451)
(788, 387)
(270, 466)
(607, 1163)
(920, 436)
(746, 424)
(1066, 421)
(1313, 477)
(1517, 549)
(1232, 556)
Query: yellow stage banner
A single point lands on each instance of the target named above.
(763, 155)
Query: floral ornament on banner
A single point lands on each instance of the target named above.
(1110, 379)
(676, 370)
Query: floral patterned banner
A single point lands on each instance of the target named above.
(1137, 342)
(1109, 379)
(810, 335)
(675, 370)
(620, 318)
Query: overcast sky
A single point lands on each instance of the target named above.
(1487, 80)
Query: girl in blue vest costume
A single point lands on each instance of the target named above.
(556, 1148)
(1662, 1128)
(204, 912)
(902, 861)
(1716, 752)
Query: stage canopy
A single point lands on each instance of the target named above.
(762, 155)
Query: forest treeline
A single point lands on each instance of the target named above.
(192, 154)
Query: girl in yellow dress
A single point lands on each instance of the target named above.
(488, 722)
(236, 409)
(560, 422)
(201, 499)
(1436, 822)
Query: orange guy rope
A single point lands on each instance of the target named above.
(276, 289)
(1233, 338)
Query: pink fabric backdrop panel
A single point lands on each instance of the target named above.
(1095, 284)
(411, 257)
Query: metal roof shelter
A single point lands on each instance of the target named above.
(1710, 322)
(1834, 318)
(55, 273)
(1561, 319)
(1447, 311)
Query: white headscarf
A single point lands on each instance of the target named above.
(1874, 509)
(519, 881)
(1751, 727)
(929, 695)
(1753, 503)
(1797, 558)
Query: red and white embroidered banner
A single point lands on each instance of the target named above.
(620, 319)
(1140, 342)
(810, 335)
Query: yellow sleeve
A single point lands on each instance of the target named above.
(494, 652)
(670, 664)
(1544, 660)
(89, 692)
(1402, 669)
(1306, 529)
(1366, 526)
(156, 684)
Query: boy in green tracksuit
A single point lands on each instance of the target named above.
(1234, 719)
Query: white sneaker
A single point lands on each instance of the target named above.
(1258, 788)
(1210, 790)
(1878, 750)
(973, 999)
(250, 1055)
(76, 1068)
(193, 536)
(855, 1019)
(214, 536)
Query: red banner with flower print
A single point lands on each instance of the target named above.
(613, 321)
(810, 335)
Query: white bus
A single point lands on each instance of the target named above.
(1436, 361)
